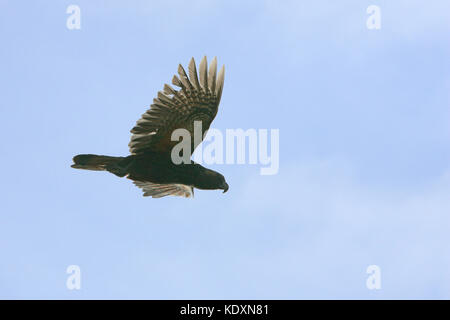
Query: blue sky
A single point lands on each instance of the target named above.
(364, 120)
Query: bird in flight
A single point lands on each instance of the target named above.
(150, 164)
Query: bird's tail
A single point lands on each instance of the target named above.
(98, 163)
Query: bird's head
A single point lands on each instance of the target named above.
(210, 180)
(224, 185)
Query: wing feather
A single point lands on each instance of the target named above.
(184, 78)
(197, 100)
(156, 190)
(203, 69)
(193, 74)
(212, 75)
(220, 81)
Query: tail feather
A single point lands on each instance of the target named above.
(95, 162)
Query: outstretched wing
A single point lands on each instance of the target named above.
(196, 100)
(156, 190)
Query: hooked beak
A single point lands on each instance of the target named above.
(225, 187)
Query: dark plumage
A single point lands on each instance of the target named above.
(150, 165)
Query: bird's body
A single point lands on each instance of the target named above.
(150, 165)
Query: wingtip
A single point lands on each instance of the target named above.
(203, 70)
(203, 65)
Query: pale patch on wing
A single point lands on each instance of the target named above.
(156, 190)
